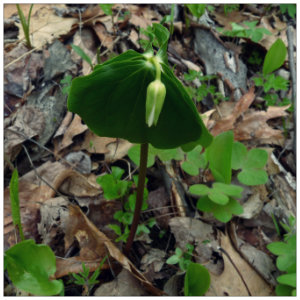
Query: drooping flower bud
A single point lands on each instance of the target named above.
(156, 93)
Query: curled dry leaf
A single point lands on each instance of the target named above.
(229, 282)
(75, 128)
(95, 243)
(29, 122)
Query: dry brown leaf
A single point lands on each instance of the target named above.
(75, 128)
(229, 283)
(11, 9)
(117, 150)
(225, 20)
(241, 106)
(254, 125)
(105, 38)
(45, 25)
(29, 122)
(93, 241)
(141, 17)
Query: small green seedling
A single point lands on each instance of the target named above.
(197, 10)
(121, 100)
(182, 258)
(25, 23)
(83, 55)
(66, 82)
(252, 32)
(229, 8)
(112, 185)
(196, 280)
(83, 278)
(286, 262)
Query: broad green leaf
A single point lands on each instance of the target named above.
(134, 155)
(218, 197)
(111, 101)
(30, 266)
(196, 280)
(117, 172)
(228, 189)
(284, 290)
(199, 189)
(169, 154)
(275, 57)
(173, 260)
(253, 176)
(219, 156)
(239, 153)
(256, 158)
(190, 168)
(115, 228)
(196, 9)
(107, 8)
(288, 279)
(82, 54)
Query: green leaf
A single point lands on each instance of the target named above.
(288, 279)
(284, 290)
(197, 10)
(82, 54)
(196, 280)
(218, 197)
(134, 155)
(275, 57)
(30, 266)
(117, 172)
(199, 189)
(219, 156)
(15, 202)
(253, 177)
(239, 153)
(114, 104)
(173, 260)
(228, 189)
(194, 161)
(107, 8)
(116, 228)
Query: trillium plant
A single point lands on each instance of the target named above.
(137, 97)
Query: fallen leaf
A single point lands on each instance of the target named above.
(117, 150)
(105, 38)
(75, 128)
(93, 241)
(123, 285)
(254, 126)
(229, 282)
(241, 106)
(45, 26)
(27, 121)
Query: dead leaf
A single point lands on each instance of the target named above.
(241, 106)
(123, 285)
(29, 122)
(229, 283)
(117, 150)
(254, 125)
(105, 38)
(75, 128)
(93, 241)
(45, 26)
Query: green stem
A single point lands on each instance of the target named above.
(155, 61)
(139, 196)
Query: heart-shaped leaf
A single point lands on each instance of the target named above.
(30, 266)
(111, 101)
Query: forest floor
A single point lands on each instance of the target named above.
(59, 159)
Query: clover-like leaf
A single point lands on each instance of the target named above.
(287, 279)
(222, 213)
(30, 267)
(194, 161)
(251, 163)
(112, 102)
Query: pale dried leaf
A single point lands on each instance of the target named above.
(117, 150)
(45, 26)
(229, 283)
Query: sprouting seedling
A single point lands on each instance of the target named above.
(114, 101)
(25, 23)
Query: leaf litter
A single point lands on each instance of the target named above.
(47, 214)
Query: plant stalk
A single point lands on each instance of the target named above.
(139, 196)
